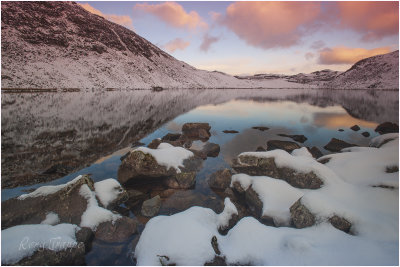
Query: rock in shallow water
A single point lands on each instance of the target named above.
(151, 206)
(288, 146)
(387, 127)
(355, 128)
(117, 231)
(336, 145)
(197, 131)
(220, 180)
(295, 137)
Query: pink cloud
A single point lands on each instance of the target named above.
(119, 19)
(173, 14)
(208, 40)
(271, 24)
(374, 20)
(176, 44)
(346, 55)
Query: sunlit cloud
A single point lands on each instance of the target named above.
(176, 44)
(346, 55)
(208, 40)
(374, 20)
(174, 15)
(271, 24)
(119, 19)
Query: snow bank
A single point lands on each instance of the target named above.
(107, 190)
(276, 195)
(251, 242)
(48, 189)
(168, 155)
(303, 152)
(185, 238)
(94, 215)
(51, 219)
(380, 139)
(22, 241)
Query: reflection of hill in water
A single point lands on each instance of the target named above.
(45, 136)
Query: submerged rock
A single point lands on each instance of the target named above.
(301, 216)
(259, 166)
(336, 145)
(208, 150)
(387, 127)
(117, 231)
(197, 131)
(288, 146)
(220, 180)
(295, 137)
(355, 128)
(230, 131)
(151, 206)
(260, 128)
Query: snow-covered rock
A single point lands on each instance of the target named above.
(109, 192)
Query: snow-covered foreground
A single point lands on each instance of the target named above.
(357, 186)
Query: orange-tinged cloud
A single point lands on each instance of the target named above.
(346, 55)
(271, 24)
(119, 19)
(176, 44)
(374, 20)
(173, 14)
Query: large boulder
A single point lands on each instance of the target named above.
(33, 208)
(288, 146)
(387, 127)
(197, 131)
(220, 180)
(301, 216)
(336, 145)
(139, 165)
(260, 166)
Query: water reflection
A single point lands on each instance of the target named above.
(52, 135)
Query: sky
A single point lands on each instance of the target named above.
(245, 38)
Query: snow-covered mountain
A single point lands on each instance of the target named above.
(381, 72)
(61, 45)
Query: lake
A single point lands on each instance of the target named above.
(50, 138)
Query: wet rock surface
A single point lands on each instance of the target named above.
(295, 137)
(197, 131)
(387, 127)
(255, 166)
(117, 231)
(336, 145)
(355, 128)
(288, 146)
(151, 207)
(220, 180)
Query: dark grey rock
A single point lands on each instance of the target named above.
(315, 152)
(295, 137)
(355, 128)
(340, 223)
(336, 145)
(261, 128)
(387, 127)
(230, 131)
(365, 134)
(288, 146)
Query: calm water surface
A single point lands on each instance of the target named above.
(89, 132)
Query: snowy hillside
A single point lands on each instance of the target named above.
(381, 72)
(61, 45)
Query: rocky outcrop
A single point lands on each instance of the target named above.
(387, 127)
(67, 203)
(256, 166)
(220, 180)
(301, 217)
(284, 145)
(336, 145)
(295, 137)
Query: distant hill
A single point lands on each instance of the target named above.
(380, 72)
